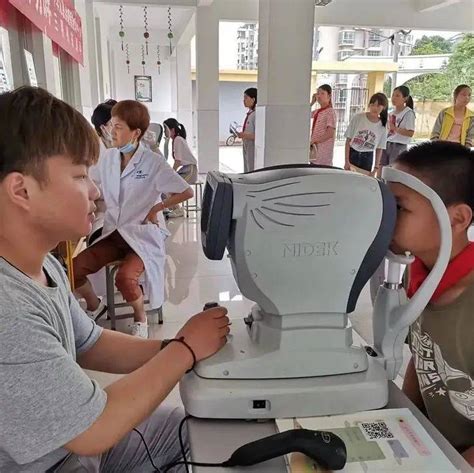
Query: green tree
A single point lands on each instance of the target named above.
(459, 70)
(431, 45)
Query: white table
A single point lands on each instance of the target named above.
(213, 441)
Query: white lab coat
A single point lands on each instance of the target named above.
(129, 196)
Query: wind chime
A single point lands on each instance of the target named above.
(158, 59)
(127, 55)
(146, 35)
(170, 30)
(121, 32)
(143, 59)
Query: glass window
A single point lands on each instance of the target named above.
(345, 53)
(373, 53)
(375, 35)
(347, 37)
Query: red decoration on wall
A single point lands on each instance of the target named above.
(58, 20)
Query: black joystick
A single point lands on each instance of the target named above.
(210, 305)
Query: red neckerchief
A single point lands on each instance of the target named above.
(457, 269)
(315, 118)
(246, 119)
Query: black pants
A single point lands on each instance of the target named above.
(361, 159)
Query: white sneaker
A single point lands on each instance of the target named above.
(175, 213)
(139, 329)
(99, 312)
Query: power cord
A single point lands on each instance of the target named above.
(184, 460)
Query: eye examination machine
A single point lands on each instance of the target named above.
(303, 242)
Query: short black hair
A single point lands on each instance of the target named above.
(35, 125)
(447, 167)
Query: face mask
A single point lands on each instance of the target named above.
(128, 148)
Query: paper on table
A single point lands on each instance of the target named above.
(387, 440)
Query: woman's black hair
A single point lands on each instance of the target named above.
(101, 116)
(381, 99)
(327, 88)
(405, 91)
(178, 128)
(252, 93)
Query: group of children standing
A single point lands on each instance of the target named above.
(376, 138)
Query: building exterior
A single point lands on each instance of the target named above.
(247, 47)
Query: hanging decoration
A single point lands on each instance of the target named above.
(121, 32)
(146, 35)
(158, 59)
(143, 59)
(127, 55)
(170, 30)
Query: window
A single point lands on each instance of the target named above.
(374, 43)
(375, 35)
(373, 53)
(347, 37)
(341, 79)
(344, 54)
(341, 96)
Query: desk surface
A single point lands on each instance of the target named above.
(213, 441)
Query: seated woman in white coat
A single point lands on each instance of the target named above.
(132, 180)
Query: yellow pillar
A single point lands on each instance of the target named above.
(375, 81)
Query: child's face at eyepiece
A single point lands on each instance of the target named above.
(417, 227)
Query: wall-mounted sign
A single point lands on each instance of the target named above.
(143, 89)
(58, 20)
(30, 65)
(4, 82)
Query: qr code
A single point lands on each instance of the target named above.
(376, 430)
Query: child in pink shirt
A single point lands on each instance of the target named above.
(324, 127)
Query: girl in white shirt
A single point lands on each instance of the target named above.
(185, 164)
(366, 135)
(401, 125)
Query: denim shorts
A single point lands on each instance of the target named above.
(361, 159)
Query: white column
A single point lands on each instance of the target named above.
(87, 72)
(284, 81)
(185, 89)
(207, 86)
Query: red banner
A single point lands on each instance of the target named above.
(58, 20)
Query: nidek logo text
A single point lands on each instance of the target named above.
(305, 249)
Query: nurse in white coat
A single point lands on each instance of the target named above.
(132, 180)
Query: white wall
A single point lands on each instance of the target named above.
(161, 106)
